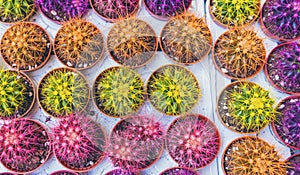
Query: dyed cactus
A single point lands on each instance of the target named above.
(120, 172)
(178, 170)
(294, 165)
(15, 10)
(63, 172)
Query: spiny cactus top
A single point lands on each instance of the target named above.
(79, 44)
(186, 39)
(246, 107)
(193, 141)
(283, 67)
(239, 53)
(114, 10)
(24, 145)
(177, 171)
(25, 46)
(120, 172)
(281, 19)
(251, 155)
(235, 13)
(287, 123)
(61, 11)
(63, 172)
(164, 9)
(294, 167)
(63, 91)
(173, 90)
(119, 91)
(131, 42)
(15, 10)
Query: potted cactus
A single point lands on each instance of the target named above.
(63, 91)
(234, 13)
(24, 145)
(63, 172)
(131, 42)
(193, 141)
(118, 91)
(114, 10)
(252, 155)
(245, 107)
(173, 90)
(164, 9)
(120, 172)
(186, 39)
(78, 142)
(286, 125)
(281, 19)
(62, 11)
(17, 94)
(16, 10)
(239, 53)
(79, 44)
(294, 165)
(135, 143)
(178, 170)
(283, 67)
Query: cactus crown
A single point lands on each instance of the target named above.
(120, 172)
(63, 91)
(186, 38)
(119, 91)
(173, 90)
(177, 171)
(294, 162)
(15, 10)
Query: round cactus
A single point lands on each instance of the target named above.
(15, 10)
(294, 165)
(177, 171)
(186, 39)
(283, 67)
(63, 172)
(120, 172)
(193, 141)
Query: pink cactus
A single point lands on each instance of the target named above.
(179, 171)
(63, 172)
(120, 172)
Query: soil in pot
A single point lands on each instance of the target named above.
(294, 165)
(63, 172)
(120, 172)
(12, 11)
(178, 171)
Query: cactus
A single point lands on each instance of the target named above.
(62, 11)
(25, 46)
(294, 162)
(251, 155)
(193, 141)
(239, 53)
(119, 91)
(177, 171)
(63, 91)
(78, 142)
(173, 90)
(115, 10)
(15, 10)
(63, 172)
(79, 44)
(281, 19)
(186, 38)
(164, 9)
(287, 121)
(120, 172)
(24, 145)
(131, 42)
(283, 67)
(236, 13)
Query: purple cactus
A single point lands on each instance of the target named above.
(294, 168)
(164, 9)
(120, 172)
(63, 172)
(287, 124)
(63, 10)
(178, 170)
(283, 67)
(281, 19)
(193, 141)
(78, 142)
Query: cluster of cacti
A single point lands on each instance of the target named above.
(78, 142)
(239, 53)
(15, 10)
(25, 46)
(116, 9)
(283, 67)
(287, 121)
(294, 165)
(24, 145)
(235, 13)
(131, 42)
(63, 91)
(193, 141)
(178, 170)
(173, 90)
(186, 38)
(120, 172)
(79, 44)
(63, 172)
(251, 155)
(119, 91)
(62, 11)
(281, 19)
(135, 143)
(164, 9)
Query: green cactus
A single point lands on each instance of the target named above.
(15, 10)
(119, 91)
(63, 91)
(173, 90)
